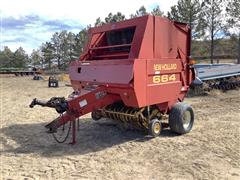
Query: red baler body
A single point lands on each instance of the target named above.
(151, 68)
(132, 70)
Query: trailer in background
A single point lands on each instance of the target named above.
(20, 72)
(217, 76)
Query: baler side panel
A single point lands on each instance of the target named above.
(165, 39)
(183, 46)
(117, 72)
(140, 81)
(163, 80)
(127, 95)
(146, 49)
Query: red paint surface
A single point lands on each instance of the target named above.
(126, 71)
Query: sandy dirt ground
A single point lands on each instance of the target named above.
(106, 151)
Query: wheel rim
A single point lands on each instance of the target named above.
(157, 128)
(186, 119)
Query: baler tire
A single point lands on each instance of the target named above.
(95, 116)
(154, 127)
(176, 118)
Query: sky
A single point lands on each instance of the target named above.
(29, 23)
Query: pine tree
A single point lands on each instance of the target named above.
(233, 8)
(98, 22)
(189, 11)
(48, 53)
(157, 11)
(6, 58)
(20, 58)
(114, 17)
(36, 58)
(214, 21)
(140, 12)
(80, 41)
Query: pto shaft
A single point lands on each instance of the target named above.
(58, 103)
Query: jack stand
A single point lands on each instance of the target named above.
(78, 124)
(73, 133)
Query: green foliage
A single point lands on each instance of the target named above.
(98, 22)
(189, 11)
(157, 12)
(227, 47)
(17, 59)
(47, 50)
(6, 58)
(63, 48)
(21, 58)
(80, 41)
(232, 9)
(36, 59)
(110, 19)
(114, 17)
(140, 12)
(212, 10)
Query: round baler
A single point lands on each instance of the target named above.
(135, 71)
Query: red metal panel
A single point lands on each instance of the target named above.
(90, 101)
(140, 81)
(127, 95)
(165, 39)
(146, 50)
(162, 66)
(115, 72)
(163, 92)
(163, 80)
(183, 37)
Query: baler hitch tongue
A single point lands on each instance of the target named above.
(58, 103)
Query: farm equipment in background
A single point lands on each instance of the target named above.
(135, 71)
(215, 76)
(20, 72)
(52, 81)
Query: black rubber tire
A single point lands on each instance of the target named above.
(96, 115)
(176, 118)
(152, 125)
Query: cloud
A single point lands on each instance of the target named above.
(35, 21)
(32, 30)
(57, 25)
(13, 23)
(20, 39)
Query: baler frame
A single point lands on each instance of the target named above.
(126, 74)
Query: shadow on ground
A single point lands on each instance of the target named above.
(91, 137)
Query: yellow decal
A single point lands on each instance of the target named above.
(164, 78)
(165, 67)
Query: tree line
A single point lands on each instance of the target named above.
(215, 28)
